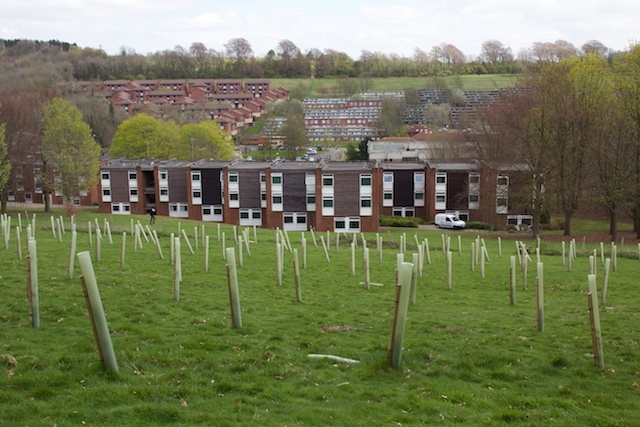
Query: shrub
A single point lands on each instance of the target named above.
(479, 225)
(398, 221)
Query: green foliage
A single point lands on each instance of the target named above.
(398, 221)
(5, 163)
(204, 140)
(143, 136)
(479, 225)
(69, 148)
(361, 152)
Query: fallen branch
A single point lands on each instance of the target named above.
(335, 358)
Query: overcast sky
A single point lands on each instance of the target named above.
(387, 26)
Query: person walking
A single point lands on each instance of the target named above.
(152, 214)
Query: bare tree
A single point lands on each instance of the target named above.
(493, 51)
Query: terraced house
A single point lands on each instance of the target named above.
(298, 195)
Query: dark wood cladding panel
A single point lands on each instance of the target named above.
(403, 188)
(119, 179)
(346, 190)
(177, 185)
(249, 186)
(295, 192)
(211, 194)
(458, 190)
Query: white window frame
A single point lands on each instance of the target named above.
(212, 215)
(251, 217)
(328, 210)
(348, 221)
(121, 208)
(295, 224)
(440, 205)
(179, 210)
(403, 211)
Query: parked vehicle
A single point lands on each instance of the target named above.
(444, 220)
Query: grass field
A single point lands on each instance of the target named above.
(470, 358)
(326, 87)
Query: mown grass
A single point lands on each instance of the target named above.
(320, 88)
(470, 358)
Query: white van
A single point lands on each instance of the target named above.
(444, 220)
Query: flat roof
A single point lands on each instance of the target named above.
(347, 166)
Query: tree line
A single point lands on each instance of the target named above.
(237, 60)
(574, 125)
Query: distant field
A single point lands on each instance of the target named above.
(325, 87)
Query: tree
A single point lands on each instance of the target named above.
(392, 117)
(578, 87)
(5, 163)
(240, 50)
(295, 136)
(204, 140)
(627, 87)
(614, 182)
(361, 152)
(69, 149)
(142, 136)
(494, 52)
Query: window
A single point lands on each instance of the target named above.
(474, 178)
(419, 196)
(441, 178)
(365, 203)
(503, 180)
(418, 178)
(388, 196)
(132, 176)
(233, 177)
(327, 203)
(365, 180)
(217, 211)
(263, 177)
(311, 200)
(263, 196)
(276, 179)
(244, 214)
(163, 175)
(276, 200)
(234, 196)
(106, 176)
(388, 177)
(197, 194)
(441, 198)
(106, 192)
(340, 224)
(256, 215)
(133, 192)
(195, 176)
(206, 211)
(474, 198)
(327, 180)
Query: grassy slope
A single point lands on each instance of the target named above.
(312, 87)
(469, 357)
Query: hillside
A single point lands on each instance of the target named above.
(338, 86)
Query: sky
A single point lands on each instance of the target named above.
(391, 26)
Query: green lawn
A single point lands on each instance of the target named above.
(470, 358)
(326, 87)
